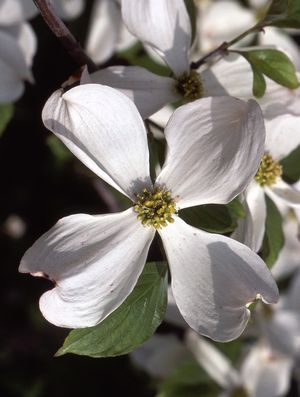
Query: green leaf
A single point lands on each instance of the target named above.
(274, 237)
(214, 218)
(131, 324)
(291, 166)
(283, 14)
(274, 64)
(6, 114)
(236, 209)
(188, 380)
(259, 83)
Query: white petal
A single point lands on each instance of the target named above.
(270, 373)
(68, 9)
(13, 69)
(213, 279)
(95, 262)
(258, 3)
(126, 39)
(292, 297)
(214, 28)
(282, 135)
(160, 355)
(148, 91)
(164, 25)
(256, 203)
(213, 361)
(214, 150)
(282, 191)
(233, 76)
(282, 331)
(162, 116)
(26, 38)
(103, 128)
(16, 11)
(104, 30)
(288, 260)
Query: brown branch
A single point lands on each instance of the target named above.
(64, 35)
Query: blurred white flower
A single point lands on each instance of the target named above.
(107, 33)
(280, 324)
(17, 47)
(263, 372)
(214, 148)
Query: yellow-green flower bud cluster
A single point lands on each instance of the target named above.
(190, 86)
(155, 208)
(269, 170)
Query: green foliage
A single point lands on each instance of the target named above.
(214, 218)
(6, 114)
(272, 63)
(188, 380)
(131, 324)
(283, 14)
(274, 237)
(291, 166)
(259, 83)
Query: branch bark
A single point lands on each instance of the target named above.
(63, 34)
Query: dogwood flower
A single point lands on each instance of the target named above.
(165, 27)
(263, 372)
(214, 149)
(268, 181)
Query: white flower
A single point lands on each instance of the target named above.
(68, 9)
(219, 21)
(263, 372)
(161, 355)
(17, 47)
(280, 324)
(282, 140)
(107, 33)
(165, 27)
(288, 260)
(214, 148)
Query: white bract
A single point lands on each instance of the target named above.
(279, 143)
(214, 149)
(263, 372)
(288, 260)
(165, 27)
(17, 47)
(280, 324)
(107, 33)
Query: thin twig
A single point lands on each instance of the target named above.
(64, 35)
(223, 48)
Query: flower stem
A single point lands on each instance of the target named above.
(223, 48)
(66, 38)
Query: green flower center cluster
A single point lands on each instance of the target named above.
(239, 392)
(269, 170)
(155, 208)
(190, 86)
